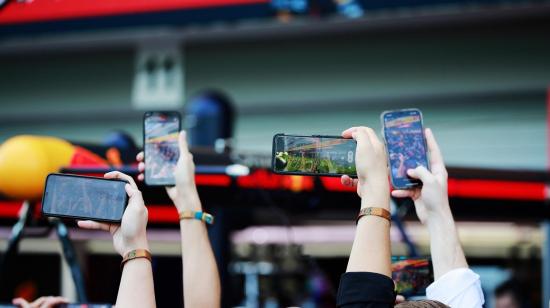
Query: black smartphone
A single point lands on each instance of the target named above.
(411, 275)
(406, 145)
(313, 155)
(84, 197)
(160, 144)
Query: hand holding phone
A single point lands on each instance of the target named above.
(432, 197)
(184, 194)
(130, 234)
(372, 171)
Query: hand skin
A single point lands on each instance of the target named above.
(371, 250)
(432, 208)
(136, 284)
(201, 280)
(42, 302)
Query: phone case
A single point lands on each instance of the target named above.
(302, 173)
(80, 217)
(413, 184)
(144, 154)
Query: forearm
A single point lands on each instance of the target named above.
(445, 247)
(136, 285)
(201, 282)
(371, 250)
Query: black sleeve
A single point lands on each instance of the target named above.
(366, 290)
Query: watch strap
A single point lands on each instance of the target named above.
(199, 215)
(374, 211)
(135, 254)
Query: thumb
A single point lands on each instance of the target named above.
(182, 141)
(421, 173)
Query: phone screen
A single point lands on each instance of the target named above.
(312, 155)
(84, 197)
(406, 145)
(161, 147)
(411, 275)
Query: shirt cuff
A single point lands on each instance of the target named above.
(451, 285)
(362, 287)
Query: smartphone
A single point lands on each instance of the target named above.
(411, 275)
(406, 145)
(313, 155)
(84, 197)
(160, 144)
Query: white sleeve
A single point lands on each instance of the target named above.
(459, 288)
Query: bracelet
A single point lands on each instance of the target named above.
(134, 254)
(374, 211)
(203, 216)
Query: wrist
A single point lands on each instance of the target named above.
(138, 244)
(375, 194)
(188, 201)
(440, 218)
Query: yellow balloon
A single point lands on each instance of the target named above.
(25, 161)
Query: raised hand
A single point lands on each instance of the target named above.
(131, 233)
(371, 166)
(432, 197)
(184, 193)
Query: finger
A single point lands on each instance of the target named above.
(360, 135)
(348, 132)
(141, 167)
(121, 176)
(435, 153)
(38, 302)
(52, 301)
(345, 180)
(140, 156)
(141, 177)
(93, 225)
(182, 141)
(421, 173)
(372, 136)
(402, 193)
(131, 190)
(20, 302)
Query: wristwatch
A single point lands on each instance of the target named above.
(374, 211)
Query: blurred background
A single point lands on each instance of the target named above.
(86, 71)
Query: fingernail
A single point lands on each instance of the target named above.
(410, 172)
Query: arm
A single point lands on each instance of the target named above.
(136, 284)
(455, 285)
(201, 282)
(445, 246)
(367, 281)
(433, 210)
(371, 251)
